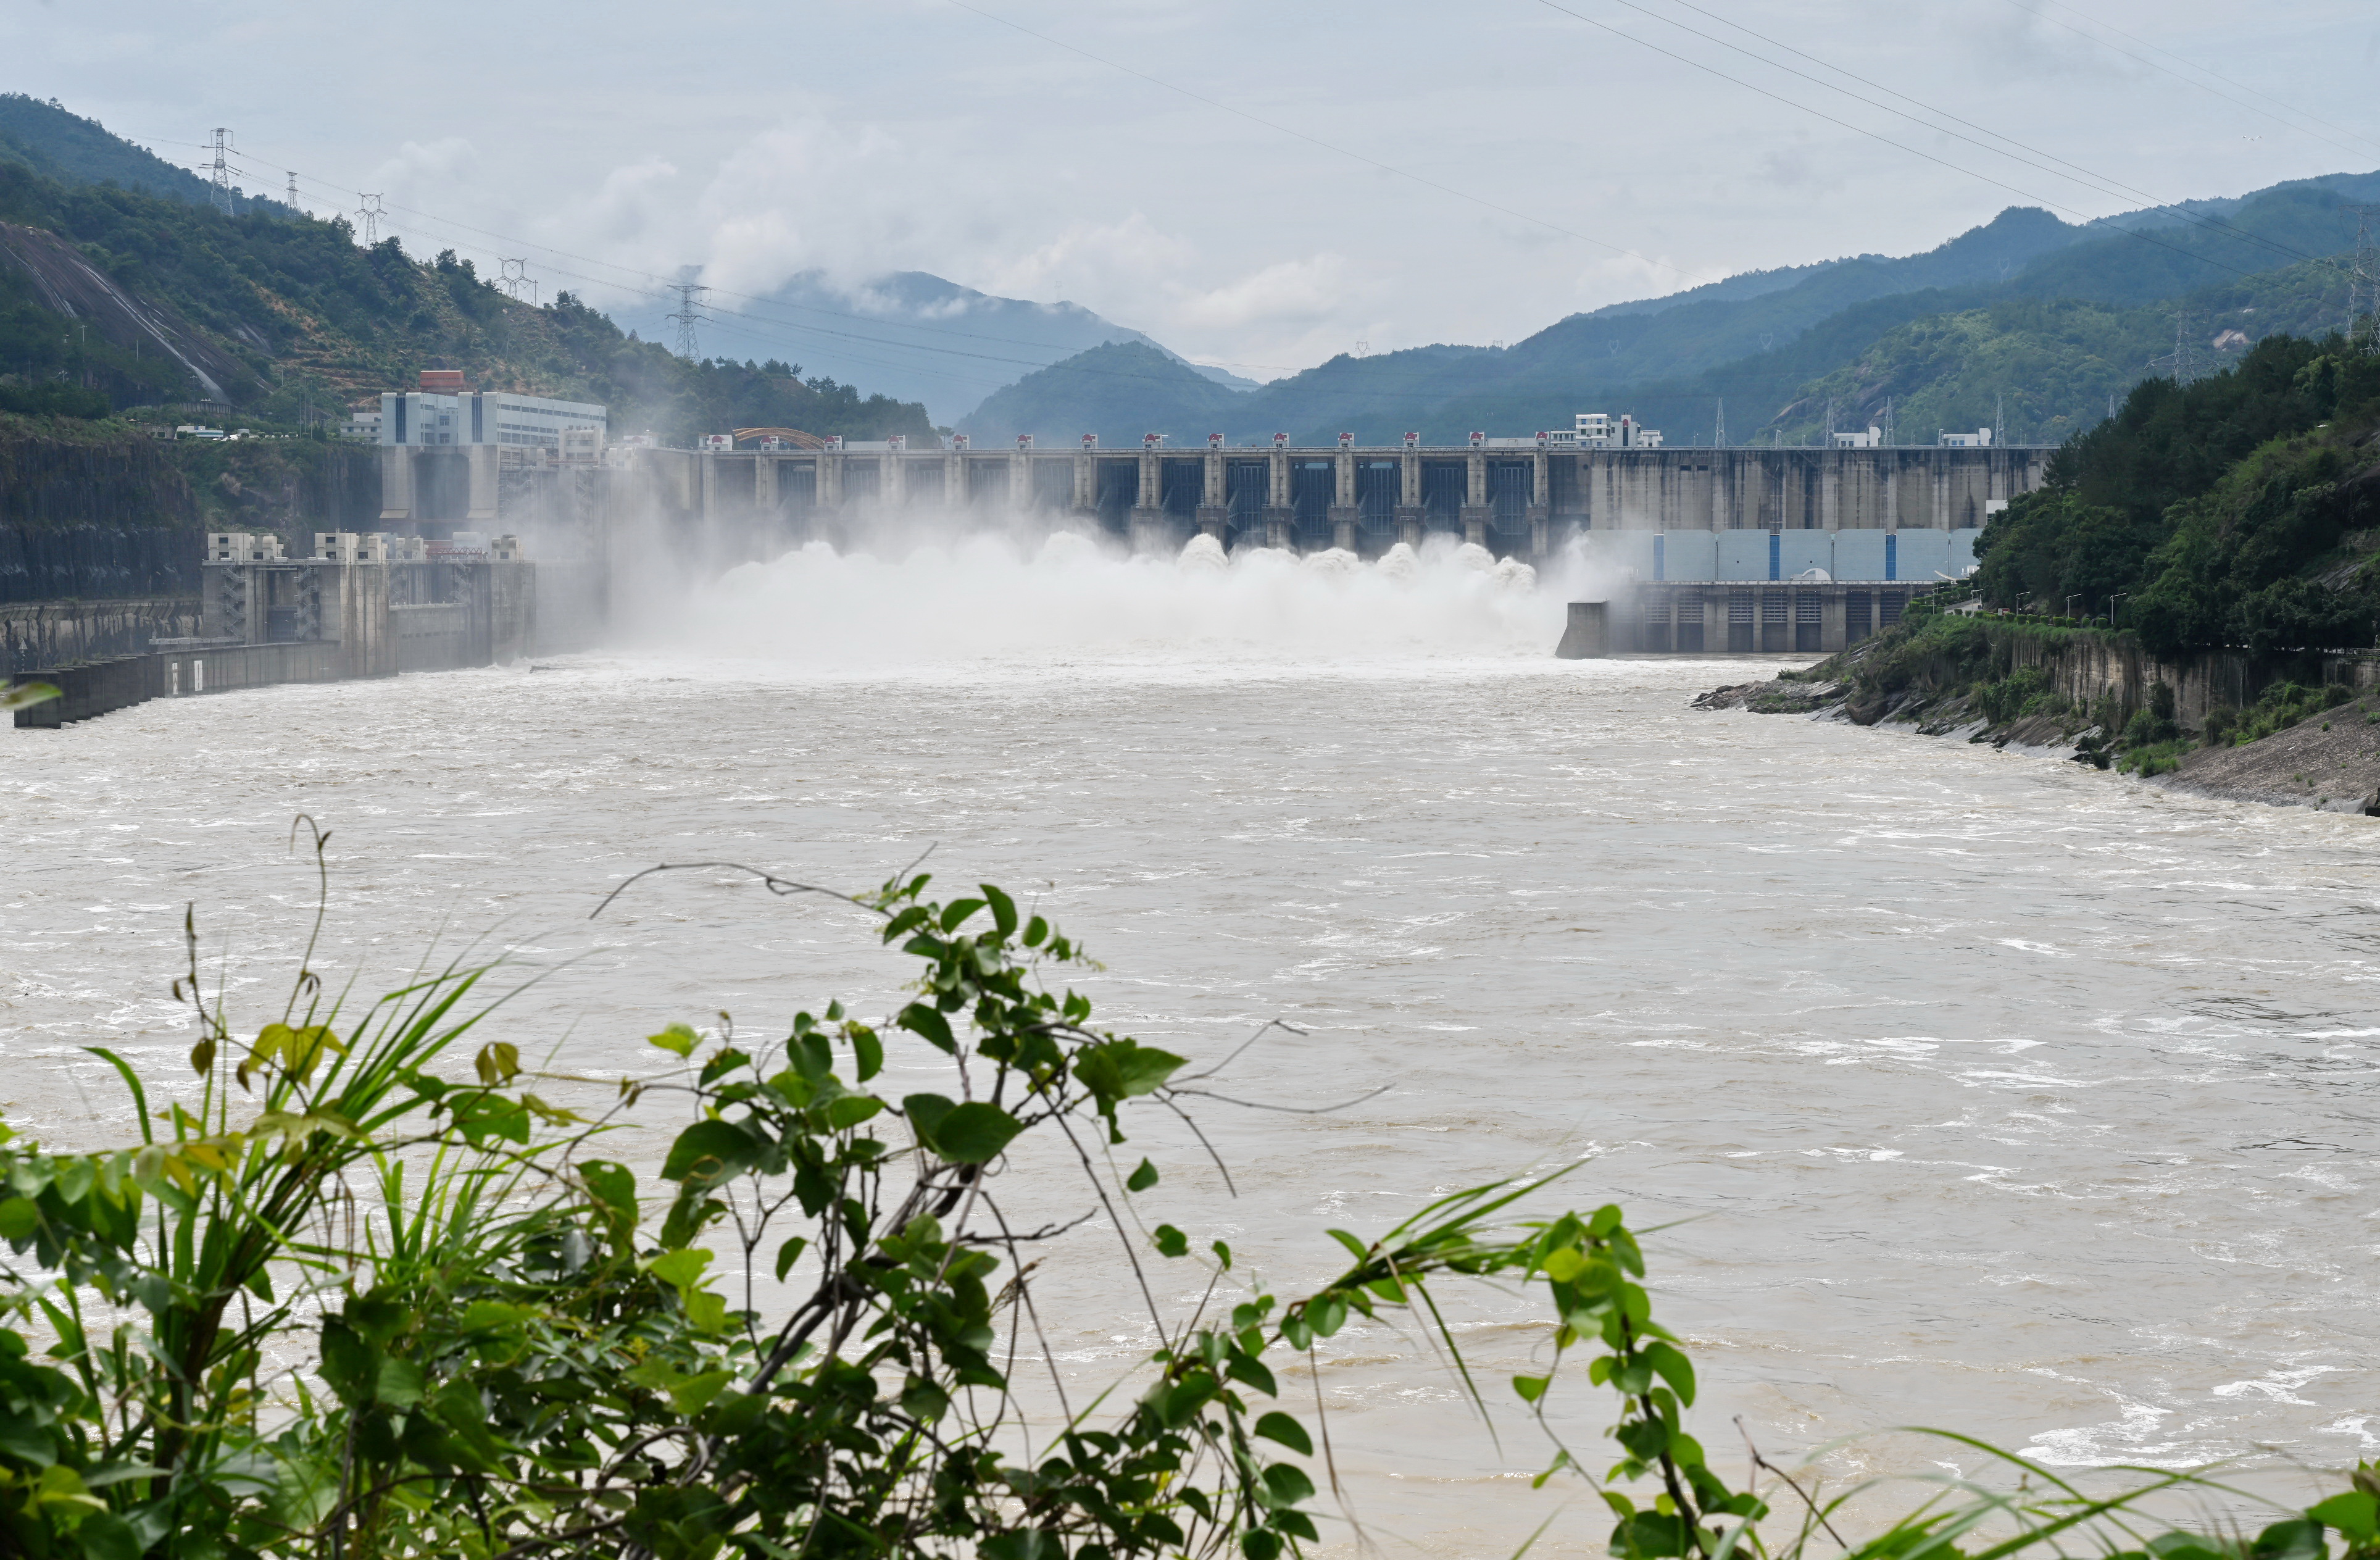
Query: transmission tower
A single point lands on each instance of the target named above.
(689, 314)
(2363, 282)
(219, 171)
(515, 276)
(2182, 369)
(1718, 433)
(293, 189)
(370, 213)
(2000, 419)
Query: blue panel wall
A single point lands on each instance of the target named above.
(1801, 551)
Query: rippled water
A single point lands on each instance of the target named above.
(1997, 1094)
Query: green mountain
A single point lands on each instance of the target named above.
(1119, 391)
(1940, 338)
(53, 141)
(142, 298)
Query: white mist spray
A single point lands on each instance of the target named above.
(1068, 596)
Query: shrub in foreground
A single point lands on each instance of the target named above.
(360, 1302)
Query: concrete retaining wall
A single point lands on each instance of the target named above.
(37, 634)
(104, 686)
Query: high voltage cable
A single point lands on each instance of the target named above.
(1858, 129)
(2202, 86)
(656, 279)
(2108, 185)
(1317, 140)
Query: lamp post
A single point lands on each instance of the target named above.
(2070, 600)
(2115, 607)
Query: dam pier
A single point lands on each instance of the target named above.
(1525, 503)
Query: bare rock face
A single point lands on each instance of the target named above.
(2330, 760)
(1775, 697)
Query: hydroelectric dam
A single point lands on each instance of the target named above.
(1675, 513)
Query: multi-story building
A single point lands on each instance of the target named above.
(440, 444)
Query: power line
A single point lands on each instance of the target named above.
(1858, 129)
(2041, 16)
(1317, 140)
(2104, 184)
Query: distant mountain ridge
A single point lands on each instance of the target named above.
(917, 335)
(1760, 341)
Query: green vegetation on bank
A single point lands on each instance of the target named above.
(351, 1297)
(2232, 512)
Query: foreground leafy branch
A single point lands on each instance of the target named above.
(354, 1305)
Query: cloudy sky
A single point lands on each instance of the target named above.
(1258, 184)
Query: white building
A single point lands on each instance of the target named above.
(362, 423)
(1980, 439)
(443, 414)
(1872, 439)
(1595, 430)
(440, 446)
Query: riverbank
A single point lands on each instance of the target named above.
(2300, 731)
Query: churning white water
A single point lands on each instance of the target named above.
(1994, 1092)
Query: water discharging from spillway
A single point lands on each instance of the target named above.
(987, 595)
(1993, 1092)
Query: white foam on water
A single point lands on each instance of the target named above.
(993, 596)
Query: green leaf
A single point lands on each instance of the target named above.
(866, 1052)
(1360, 1252)
(347, 1365)
(682, 1268)
(790, 1253)
(2356, 1514)
(1531, 1388)
(1288, 1485)
(922, 1020)
(106, 1536)
(498, 1063)
(1142, 1178)
(1036, 931)
(1003, 909)
(1249, 1370)
(23, 695)
(677, 1040)
(18, 1218)
(1675, 1368)
(694, 1393)
(709, 1153)
(849, 1111)
(1171, 1242)
(1296, 1332)
(1223, 1254)
(957, 910)
(926, 1112)
(1260, 1543)
(975, 1133)
(1331, 1315)
(400, 1383)
(1288, 1432)
(1124, 1069)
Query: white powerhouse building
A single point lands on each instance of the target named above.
(441, 445)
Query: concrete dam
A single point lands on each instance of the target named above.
(1674, 514)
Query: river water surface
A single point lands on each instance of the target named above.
(1994, 1092)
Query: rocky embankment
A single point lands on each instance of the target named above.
(2326, 757)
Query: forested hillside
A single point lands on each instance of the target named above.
(2239, 510)
(129, 297)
